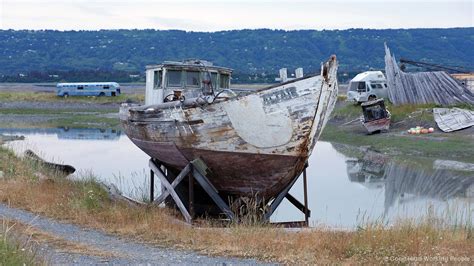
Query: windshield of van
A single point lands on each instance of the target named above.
(357, 86)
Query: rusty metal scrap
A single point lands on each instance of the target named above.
(423, 87)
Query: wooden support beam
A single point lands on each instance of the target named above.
(191, 194)
(170, 189)
(276, 202)
(212, 192)
(175, 182)
(298, 204)
(307, 212)
(152, 186)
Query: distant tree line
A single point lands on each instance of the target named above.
(256, 55)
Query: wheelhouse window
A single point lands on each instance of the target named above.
(174, 78)
(214, 80)
(192, 78)
(157, 77)
(224, 81)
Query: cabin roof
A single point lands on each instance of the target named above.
(190, 64)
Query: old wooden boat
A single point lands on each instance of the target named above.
(375, 117)
(255, 143)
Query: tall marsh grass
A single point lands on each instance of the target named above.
(13, 250)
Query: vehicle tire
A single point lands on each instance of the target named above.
(101, 94)
(65, 95)
(372, 97)
(113, 94)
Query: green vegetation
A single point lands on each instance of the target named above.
(256, 55)
(12, 252)
(49, 118)
(348, 111)
(345, 128)
(438, 146)
(49, 97)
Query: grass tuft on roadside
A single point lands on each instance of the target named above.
(12, 250)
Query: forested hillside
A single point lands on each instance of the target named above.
(254, 53)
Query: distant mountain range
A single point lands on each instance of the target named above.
(255, 53)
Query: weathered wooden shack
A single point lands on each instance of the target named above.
(423, 87)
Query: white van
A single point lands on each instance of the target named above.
(367, 86)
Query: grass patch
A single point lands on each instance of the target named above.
(423, 112)
(436, 146)
(12, 250)
(50, 97)
(49, 118)
(33, 111)
(344, 128)
(84, 202)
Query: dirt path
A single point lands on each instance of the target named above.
(86, 246)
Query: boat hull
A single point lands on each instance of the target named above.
(377, 125)
(254, 144)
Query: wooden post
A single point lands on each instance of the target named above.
(170, 190)
(175, 182)
(213, 193)
(305, 191)
(152, 186)
(276, 202)
(191, 195)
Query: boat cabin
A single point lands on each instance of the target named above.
(172, 81)
(374, 110)
(375, 117)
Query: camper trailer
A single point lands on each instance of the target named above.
(367, 86)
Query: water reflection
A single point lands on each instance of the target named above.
(107, 154)
(344, 183)
(408, 179)
(68, 133)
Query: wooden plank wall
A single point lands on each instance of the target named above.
(423, 87)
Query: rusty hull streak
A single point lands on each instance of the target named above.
(254, 144)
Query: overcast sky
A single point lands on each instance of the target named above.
(213, 15)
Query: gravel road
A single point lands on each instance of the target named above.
(129, 252)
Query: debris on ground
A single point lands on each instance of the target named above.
(60, 168)
(452, 119)
(420, 130)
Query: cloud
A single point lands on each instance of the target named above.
(213, 15)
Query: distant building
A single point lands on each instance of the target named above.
(466, 79)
